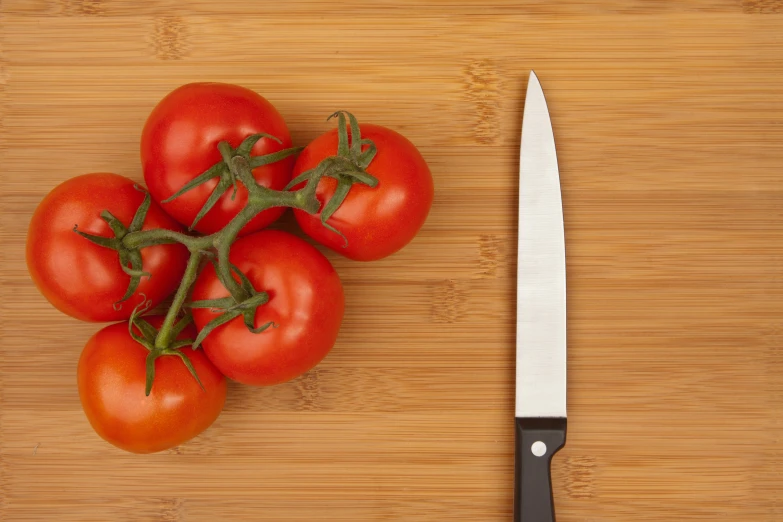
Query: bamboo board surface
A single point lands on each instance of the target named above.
(668, 118)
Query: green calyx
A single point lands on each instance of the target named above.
(226, 175)
(244, 302)
(348, 167)
(130, 258)
(147, 340)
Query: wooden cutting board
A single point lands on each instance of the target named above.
(668, 117)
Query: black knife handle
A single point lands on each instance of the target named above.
(537, 440)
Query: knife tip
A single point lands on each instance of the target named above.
(533, 83)
(533, 76)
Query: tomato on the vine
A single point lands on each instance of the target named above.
(306, 306)
(111, 381)
(376, 221)
(86, 280)
(180, 140)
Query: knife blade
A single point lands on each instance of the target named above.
(540, 409)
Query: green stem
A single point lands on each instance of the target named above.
(167, 333)
(260, 198)
(240, 167)
(222, 243)
(237, 165)
(226, 152)
(160, 236)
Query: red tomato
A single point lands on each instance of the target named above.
(179, 142)
(306, 303)
(111, 377)
(379, 221)
(82, 279)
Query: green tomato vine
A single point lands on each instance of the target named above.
(347, 167)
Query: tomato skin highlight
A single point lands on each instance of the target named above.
(111, 379)
(179, 142)
(306, 303)
(85, 280)
(378, 221)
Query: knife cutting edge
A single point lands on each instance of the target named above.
(540, 409)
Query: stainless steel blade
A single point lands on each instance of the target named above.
(541, 278)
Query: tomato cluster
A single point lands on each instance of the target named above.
(240, 301)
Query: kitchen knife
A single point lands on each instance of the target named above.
(541, 314)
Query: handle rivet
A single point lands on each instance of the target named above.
(538, 448)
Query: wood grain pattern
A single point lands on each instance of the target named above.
(669, 122)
